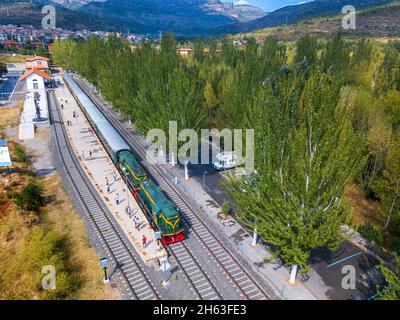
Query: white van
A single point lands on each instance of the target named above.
(225, 160)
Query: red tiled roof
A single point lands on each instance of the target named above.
(37, 58)
(34, 70)
(38, 67)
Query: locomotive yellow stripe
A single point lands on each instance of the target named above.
(133, 173)
(168, 222)
(148, 195)
(143, 188)
(145, 191)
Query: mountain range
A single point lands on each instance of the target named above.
(295, 13)
(183, 17)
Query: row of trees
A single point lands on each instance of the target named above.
(324, 113)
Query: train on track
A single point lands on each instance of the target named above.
(161, 212)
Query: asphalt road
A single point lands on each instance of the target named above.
(335, 266)
(212, 178)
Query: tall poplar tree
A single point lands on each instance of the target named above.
(305, 152)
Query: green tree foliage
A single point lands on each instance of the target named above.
(369, 232)
(387, 186)
(3, 68)
(306, 150)
(392, 290)
(327, 115)
(198, 52)
(31, 198)
(63, 52)
(336, 58)
(306, 50)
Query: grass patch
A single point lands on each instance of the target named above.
(39, 226)
(369, 232)
(52, 236)
(14, 58)
(9, 116)
(20, 154)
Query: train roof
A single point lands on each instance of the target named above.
(113, 138)
(161, 201)
(133, 163)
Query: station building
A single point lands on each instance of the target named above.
(35, 112)
(35, 79)
(38, 62)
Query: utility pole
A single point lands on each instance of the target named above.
(204, 179)
(128, 208)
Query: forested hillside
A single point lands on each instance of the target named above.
(375, 22)
(326, 116)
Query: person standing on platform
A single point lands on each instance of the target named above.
(83, 155)
(117, 199)
(144, 241)
(115, 176)
(90, 154)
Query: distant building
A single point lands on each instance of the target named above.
(37, 62)
(12, 44)
(185, 51)
(35, 79)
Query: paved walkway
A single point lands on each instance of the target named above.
(100, 168)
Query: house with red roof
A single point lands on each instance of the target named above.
(37, 62)
(12, 44)
(35, 79)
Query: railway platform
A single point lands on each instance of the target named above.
(106, 179)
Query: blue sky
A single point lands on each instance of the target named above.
(271, 5)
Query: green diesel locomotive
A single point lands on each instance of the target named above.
(159, 209)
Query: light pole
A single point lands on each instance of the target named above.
(204, 179)
(128, 208)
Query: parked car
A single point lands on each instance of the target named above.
(225, 160)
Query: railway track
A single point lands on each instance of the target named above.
(137, 283)
(201, 283)
(231, 267)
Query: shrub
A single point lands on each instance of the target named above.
(31, 198)
(369, 232)
(20, 154)
(225, 209)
